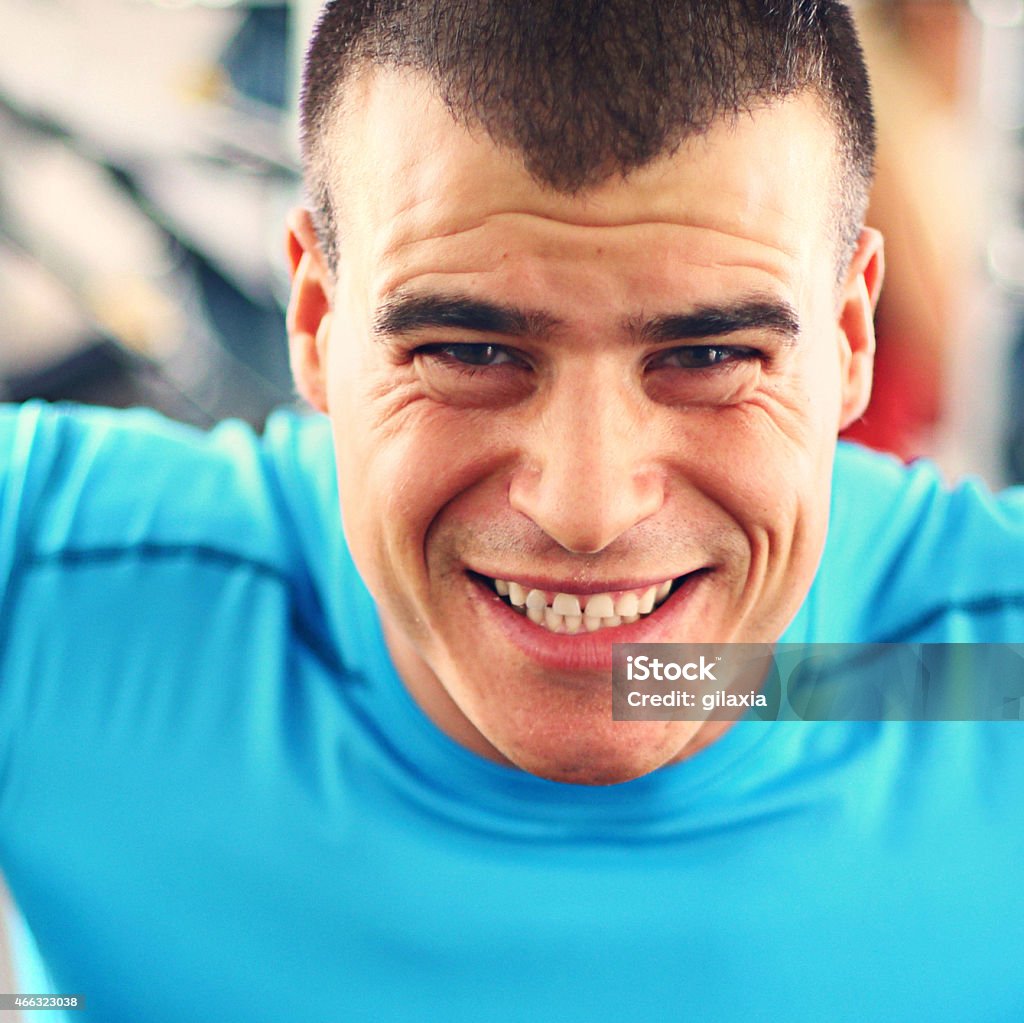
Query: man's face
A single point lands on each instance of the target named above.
(619, 406)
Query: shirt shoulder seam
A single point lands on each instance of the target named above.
(72, 557)
(981, 605)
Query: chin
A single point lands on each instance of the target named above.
(590, 773)
(607, 759)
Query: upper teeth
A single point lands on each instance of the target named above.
(568, 612)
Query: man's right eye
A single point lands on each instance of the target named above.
(472, 354)
(474, 373)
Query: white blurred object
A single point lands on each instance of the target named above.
(41, 323)
(1006, 257)
(94, 240)
(978, 424)
(130, 77)
(999, 13)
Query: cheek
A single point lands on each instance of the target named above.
(766, 465)
(760, 458)
(402, 461)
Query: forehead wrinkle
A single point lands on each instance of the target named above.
(416, 221)
(597, 229)
(661, 238)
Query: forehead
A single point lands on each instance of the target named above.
(410, 184)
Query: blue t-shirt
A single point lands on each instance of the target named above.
(218, 801)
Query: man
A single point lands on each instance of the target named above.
(586, 299)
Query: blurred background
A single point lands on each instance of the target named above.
(147, 159)
(148, 156)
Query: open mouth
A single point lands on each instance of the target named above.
(572, 613)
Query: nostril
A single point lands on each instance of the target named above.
(585, 494)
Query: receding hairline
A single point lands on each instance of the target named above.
(582, 90)
(340, 140)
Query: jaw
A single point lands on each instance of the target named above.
(524, 694)
(612, 753)
(516, 693)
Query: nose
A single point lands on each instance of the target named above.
(589, 471)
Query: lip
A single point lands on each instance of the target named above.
(585, 651)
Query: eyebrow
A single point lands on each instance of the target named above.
(776, 317)
(406, 313)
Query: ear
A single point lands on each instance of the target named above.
(857, 302)
(309, 309)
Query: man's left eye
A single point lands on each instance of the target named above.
(700, 357)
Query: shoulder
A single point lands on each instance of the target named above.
(75, 480)
(909, 558)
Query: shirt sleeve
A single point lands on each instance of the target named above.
(909, 559)
(23, 469)
(95, 504)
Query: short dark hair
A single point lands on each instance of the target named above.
(583, 89)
